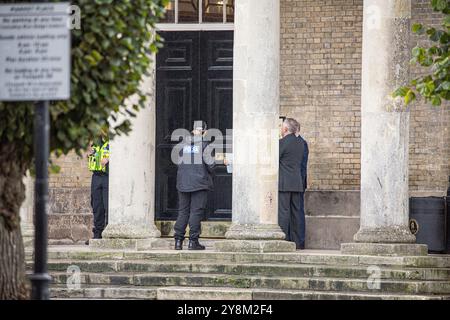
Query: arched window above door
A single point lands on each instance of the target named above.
(199, 12)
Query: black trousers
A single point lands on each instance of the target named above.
(192, 207)
(99, 202)
(290, 216)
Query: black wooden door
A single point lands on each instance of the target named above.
(194, 81)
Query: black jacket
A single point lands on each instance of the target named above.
(291, 158)
(194, 173)
(305, 162)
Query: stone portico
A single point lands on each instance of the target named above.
(384, 142)
(253, 262)
(271, 79)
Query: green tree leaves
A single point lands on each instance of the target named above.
(434, 87)
(110, 55)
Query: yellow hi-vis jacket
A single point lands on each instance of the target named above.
(95, 159)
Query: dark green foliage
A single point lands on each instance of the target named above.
(435, 86)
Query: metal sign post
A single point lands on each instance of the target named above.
(40, 279)
(35, 66)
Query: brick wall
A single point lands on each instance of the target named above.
(429, 134)
(70, 189)
(320, 85)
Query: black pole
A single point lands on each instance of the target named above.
(40, 279)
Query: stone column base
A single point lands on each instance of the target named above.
(255, 232)
(130, 237)
(129, 231)
(385, 235)
(257, 246)
(130, 244)
(384, 249)
(255, 238)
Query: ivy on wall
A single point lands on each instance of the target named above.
(435, 86)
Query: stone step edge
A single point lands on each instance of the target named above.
(104, 292)
(250, 293)
(298, 257)
(249, 277)
(366, 263)
(385, 270)
(392, 267)
(272, 292)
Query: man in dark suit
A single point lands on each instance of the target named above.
(290, 182)
(304, 174)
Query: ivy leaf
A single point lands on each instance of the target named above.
(400, 92)
(446, 22)
(409, 97)
(418, 28)
(439, 5)
(55, 169)
(436, 101)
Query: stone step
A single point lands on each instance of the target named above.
(261, 282)
(99, 292)
(286, 270)
(299, 257)
(192, 293)
(104, 292)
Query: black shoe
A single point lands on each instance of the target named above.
(87, 242)
(97, 235)
(301, 247)
(178, 244)
(195, 245)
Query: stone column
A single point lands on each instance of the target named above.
(131, 184)
(27, 212)
(384, 132)
(255, 130)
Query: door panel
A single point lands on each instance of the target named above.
(216, 86)
(176, 105)
(194, 82)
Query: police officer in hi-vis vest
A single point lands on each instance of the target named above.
(99, 166)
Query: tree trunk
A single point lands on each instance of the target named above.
(13, 281)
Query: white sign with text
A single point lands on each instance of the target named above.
(34, 52)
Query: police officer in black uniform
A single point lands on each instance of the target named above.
(194, 181)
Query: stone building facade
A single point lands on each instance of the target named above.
(320, 85)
